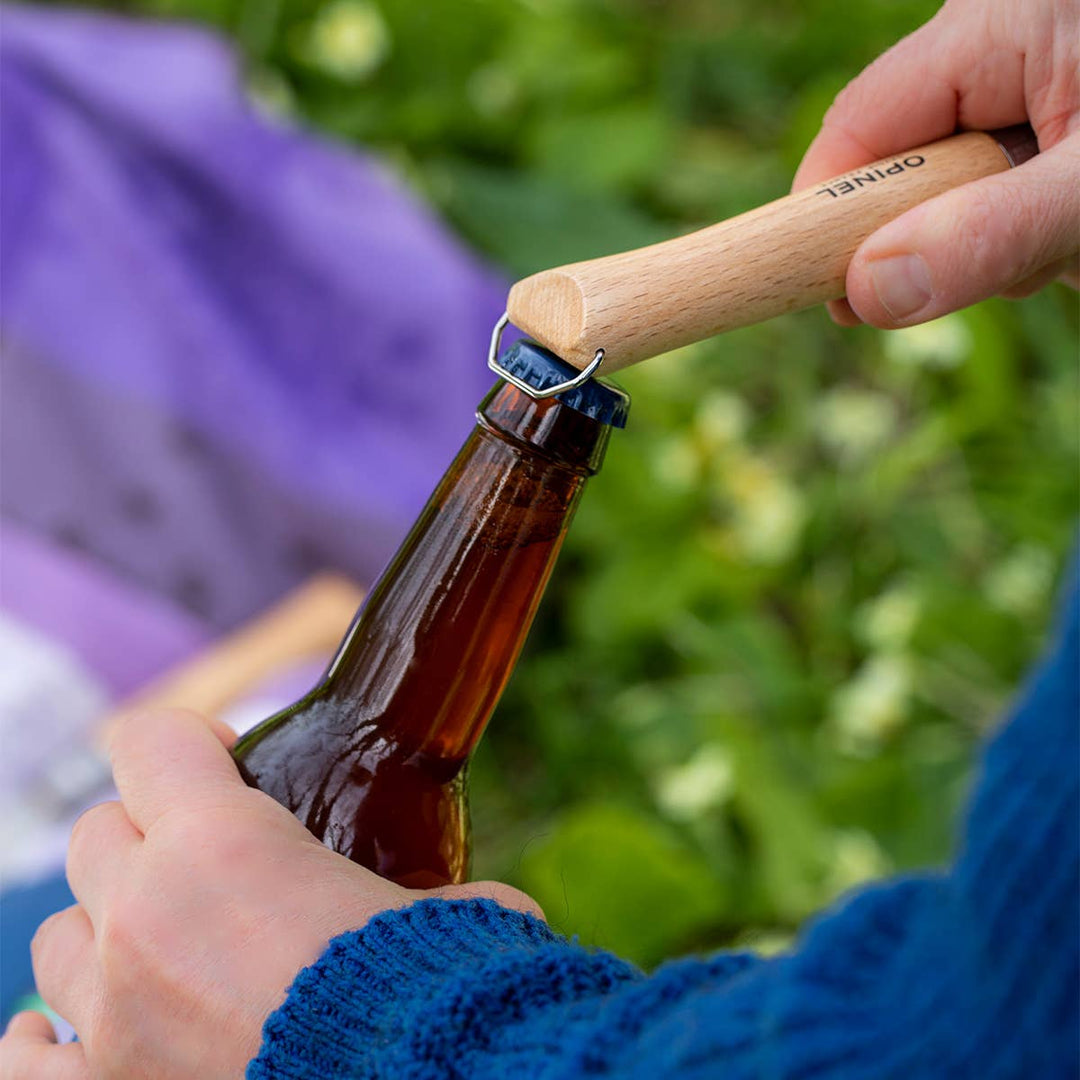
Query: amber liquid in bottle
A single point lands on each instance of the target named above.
(373, 759)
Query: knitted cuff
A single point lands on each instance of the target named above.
(345, 1014)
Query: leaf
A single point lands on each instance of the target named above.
(530, 223)
(620, 881)
(791, 843)
(604, 149)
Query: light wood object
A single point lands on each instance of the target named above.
(784, 256)
(308, 624)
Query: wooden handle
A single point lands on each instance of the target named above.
(784, 256)
(307, 624)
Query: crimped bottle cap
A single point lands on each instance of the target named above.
(541, 368)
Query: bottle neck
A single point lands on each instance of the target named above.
(545, 426)
(429, 654)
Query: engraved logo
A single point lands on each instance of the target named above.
(853, 181)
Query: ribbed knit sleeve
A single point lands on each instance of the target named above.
(970, 973)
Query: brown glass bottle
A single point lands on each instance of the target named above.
(372, 760)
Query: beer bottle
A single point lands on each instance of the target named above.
(373, 759)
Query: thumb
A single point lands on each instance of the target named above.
(970, 243)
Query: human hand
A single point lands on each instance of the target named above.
(199, 900)
(974, 65)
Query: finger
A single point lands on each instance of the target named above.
(841, 313)
(32, 1027)
(27, 1053)
(103, 844)
(222, 730)
(969, 243)
(949, 74)
(65, 965)
(169, 759)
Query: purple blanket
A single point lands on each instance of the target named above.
(232, 353)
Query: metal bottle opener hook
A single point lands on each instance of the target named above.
(493, 362)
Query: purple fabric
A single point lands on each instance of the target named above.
(124, 483)
(232, 353)
(121, 633)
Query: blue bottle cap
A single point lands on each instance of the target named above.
(541, 368)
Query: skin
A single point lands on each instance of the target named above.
(164, 966)
(979, 64)
(199, 900)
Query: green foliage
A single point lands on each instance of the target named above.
(817, 563)
(579, 875)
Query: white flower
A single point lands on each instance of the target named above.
(698, 785)
(856, 858)
(853, 423)
(887, 621)
(722, 419)
(942, 343)
(1021, 581)
(677, 464)
(768, 512)
(349, 39)
(873, 704)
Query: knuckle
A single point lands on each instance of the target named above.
(39, 943)
(50, 951)
(1002, 239)
(120, 728)
(89, 821)
(79, 829)
(978, 226)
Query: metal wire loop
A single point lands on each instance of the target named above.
(582, 376)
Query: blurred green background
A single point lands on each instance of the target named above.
(819, 560)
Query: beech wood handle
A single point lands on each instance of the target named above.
(306, 624)
(784, 256)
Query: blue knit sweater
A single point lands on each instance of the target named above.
(972, 972)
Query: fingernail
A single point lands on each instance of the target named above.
(902, 283)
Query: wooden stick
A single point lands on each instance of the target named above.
(308, 623)
(784, 256)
